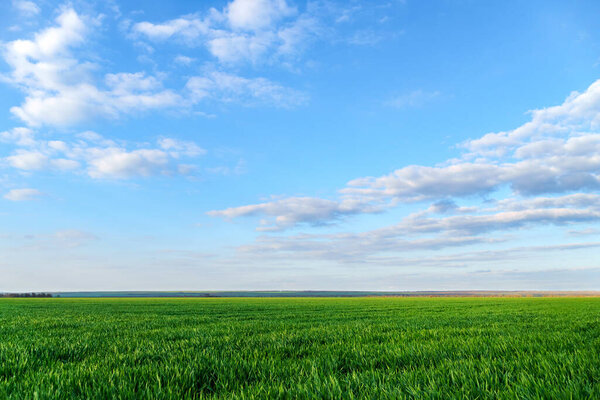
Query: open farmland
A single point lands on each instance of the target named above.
(513, 348)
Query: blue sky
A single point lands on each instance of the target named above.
(271, 144)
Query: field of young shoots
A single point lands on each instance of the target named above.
(306, 348)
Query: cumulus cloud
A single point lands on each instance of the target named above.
(243, 31)
(28, 160)
(415, 182)
(557, 152)
(119, 163)
(256, 14)
(261, 31)
(577, 114)
(60, 89)
(20, 136)
(24, 194)
(103, 158)
(63, 87)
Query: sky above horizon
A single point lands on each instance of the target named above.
(324, 145)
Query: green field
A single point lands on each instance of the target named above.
(483, 348)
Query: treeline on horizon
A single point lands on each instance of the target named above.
(32, 294)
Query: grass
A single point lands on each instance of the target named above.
(476, 348)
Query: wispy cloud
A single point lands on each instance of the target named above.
(26, 8)
(228, 88)
(24, 194)
(421, 231)
(415, 98)
(289, 212)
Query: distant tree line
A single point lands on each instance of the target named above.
(32, 294)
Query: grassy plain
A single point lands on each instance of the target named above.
(438, 348)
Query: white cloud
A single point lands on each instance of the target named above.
(578, 113)
(184, 60)
(76, 104)
(291, 211)
(234, 47)
(418, 231)
(45, 62)
(476, 224)
(60, 89)
(415, 182)
(415, 233)
(557, 152)
(64, 164)
(103, 158)
(584, 232)
(124, 83)
(22, 194)
(189, 27)
(69, 238)
(249, 91)
(297, 35)
(579, 200)
(27, 8)
(257, 14)
(20, 136)
(245, 30)
(73, 237)
(263, 31)
(237, 169)
(176, 148)
(70, 106)
(28, 160)
(368, 37)
(415, 98)
(118, 163)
